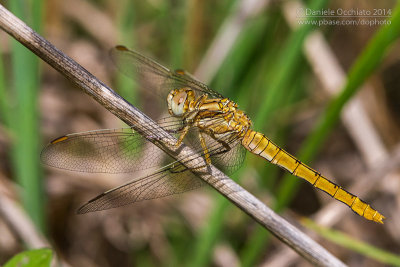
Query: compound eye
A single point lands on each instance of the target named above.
(176, 102)
(180, 98)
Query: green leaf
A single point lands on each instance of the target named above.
(31, 258)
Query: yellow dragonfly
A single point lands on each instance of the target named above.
(208, 122)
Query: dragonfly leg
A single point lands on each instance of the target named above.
(182, 136)
(222, 142)
(205, 149)
(185, 129)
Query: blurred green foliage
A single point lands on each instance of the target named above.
(31, 258)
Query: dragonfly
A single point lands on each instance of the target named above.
(214, 126)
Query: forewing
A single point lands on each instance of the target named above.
(107, 151)
(172, 179)
(153, 76)
(102, 151)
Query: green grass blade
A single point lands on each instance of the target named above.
(4, 107)
(350, 243)
(126, 36)
(25, 120)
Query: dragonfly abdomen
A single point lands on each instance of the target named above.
(260, 145)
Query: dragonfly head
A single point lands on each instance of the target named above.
(178, 101)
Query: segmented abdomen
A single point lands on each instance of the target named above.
(260, 145)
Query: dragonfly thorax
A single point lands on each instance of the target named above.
(179, 101)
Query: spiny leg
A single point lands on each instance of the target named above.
(205, 149)
(222, 142)
(182, 135)
(189, 119)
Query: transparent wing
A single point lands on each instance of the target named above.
(106, 151)
(154, 76)
(172, 179)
